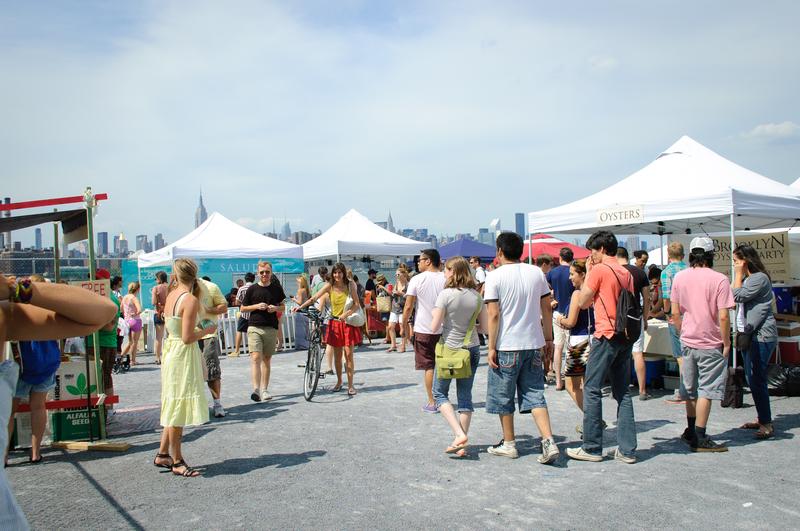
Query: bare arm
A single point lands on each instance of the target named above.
(56, 311)
(322, 291)
(408, 308)
(189, 333)
(493, 312)
(483, 321)
(676, 316)
(547, 323)
(725, 330)
(646, 308)
(586, 297)
(571, 320)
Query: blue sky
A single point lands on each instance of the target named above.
(447, 113)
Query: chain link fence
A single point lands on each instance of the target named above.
(70, 268)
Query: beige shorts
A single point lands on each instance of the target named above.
(560, 335)
(262, 339)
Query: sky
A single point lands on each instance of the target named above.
(447, 113)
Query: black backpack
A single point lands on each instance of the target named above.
(629, 313)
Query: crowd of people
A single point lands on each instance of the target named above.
(558, 316)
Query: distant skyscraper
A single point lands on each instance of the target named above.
(390, 223)
(123, 245)
(519, 222)
(158, 241)
(141, 242)
(38, 239)
(102, 243)
(632, 244)
(382, 224)
(115, 249)
(286, 232)
(200, 215)
(643, 246)
(486, 237)
(494, 227)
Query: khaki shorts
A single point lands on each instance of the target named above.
(560, 335)
(262, 339)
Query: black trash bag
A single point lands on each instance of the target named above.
(734, 388)
(783, 380)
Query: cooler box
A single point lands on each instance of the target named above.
(654, 368)
(790, 351)
(783, 299)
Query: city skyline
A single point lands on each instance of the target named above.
(447, 114)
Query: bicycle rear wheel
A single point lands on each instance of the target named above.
(311, 376)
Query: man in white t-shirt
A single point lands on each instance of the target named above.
(422, 291)
(517, 299)
(480, 278)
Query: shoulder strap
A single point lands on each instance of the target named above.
(177, 303)
(471, 326)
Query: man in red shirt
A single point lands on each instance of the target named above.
(610, 353)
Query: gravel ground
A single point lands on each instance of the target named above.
(375, 461)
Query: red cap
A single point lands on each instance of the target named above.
(102, 273)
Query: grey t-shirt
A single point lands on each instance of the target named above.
(459, 306)
(756, 296)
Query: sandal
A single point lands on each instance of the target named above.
(765, 432)
(750, 426)
(163, 465)
(188, 472)
(352, 391)
(391, 349)
(455, 448)
(336, 388)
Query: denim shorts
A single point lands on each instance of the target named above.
(519, 375)
(441, 387)
(24, 389)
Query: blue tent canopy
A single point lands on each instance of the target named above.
(467, 248)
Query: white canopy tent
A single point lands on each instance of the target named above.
(219, 237)
(355, 235)
(688, 188)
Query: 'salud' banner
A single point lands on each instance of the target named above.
(773, 249)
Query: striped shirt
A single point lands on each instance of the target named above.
(240, 298)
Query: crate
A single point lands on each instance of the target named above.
(654, 369)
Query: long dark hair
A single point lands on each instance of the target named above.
(750, 256)
(340, 267)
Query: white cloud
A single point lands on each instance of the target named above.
(774, 132)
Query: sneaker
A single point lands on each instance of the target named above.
(504, 451)
(579, 428)
(255, 397)
(549, 452)
(645, 396)
(265, 396)
(707, 445)
(690, 438)
(430, 408)
(581, 455)
(219, 411)
(619, 456)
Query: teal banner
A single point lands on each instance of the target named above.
(224, 272)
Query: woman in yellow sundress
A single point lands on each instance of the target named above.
(183, 397)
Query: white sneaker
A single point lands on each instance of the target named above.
(219, 411)
(619, 456)
(504, 451)
(265, 396)
(549, 451)
(581, 455)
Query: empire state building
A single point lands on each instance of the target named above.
(200, 215)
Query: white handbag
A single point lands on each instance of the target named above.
(357, 318)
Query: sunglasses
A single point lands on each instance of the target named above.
(265, 272)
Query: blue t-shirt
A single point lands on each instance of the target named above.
(559, 281)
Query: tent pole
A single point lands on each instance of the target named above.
(661, 248)
(733, 275)
(530, 248)
(90, 204)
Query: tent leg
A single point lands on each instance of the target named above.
(530, 248)
(661, 248)
(733, 273)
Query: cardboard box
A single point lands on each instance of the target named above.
(71, 381)
(73, 424)
(788, 329)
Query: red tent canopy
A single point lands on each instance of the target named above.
(544, 243)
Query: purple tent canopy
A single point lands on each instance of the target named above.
(467, 248)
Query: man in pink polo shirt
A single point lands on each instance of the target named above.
(610, 353)
(701, 298)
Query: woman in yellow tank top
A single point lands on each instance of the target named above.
(340, 335)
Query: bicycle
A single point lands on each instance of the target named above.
(313, 369)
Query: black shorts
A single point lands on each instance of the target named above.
(241, 325)
(158, 319)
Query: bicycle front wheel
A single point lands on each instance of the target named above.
(311, 376)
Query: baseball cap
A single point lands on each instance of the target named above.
(102, 273)
(371, 272)
(702, 242)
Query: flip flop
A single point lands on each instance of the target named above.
(336, 388)
(352, 391)
(456, 447)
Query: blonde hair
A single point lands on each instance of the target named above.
(264, 262)
(462, 273)
(185, 270)
(133, 287)
(303, 282)
(675, 251)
